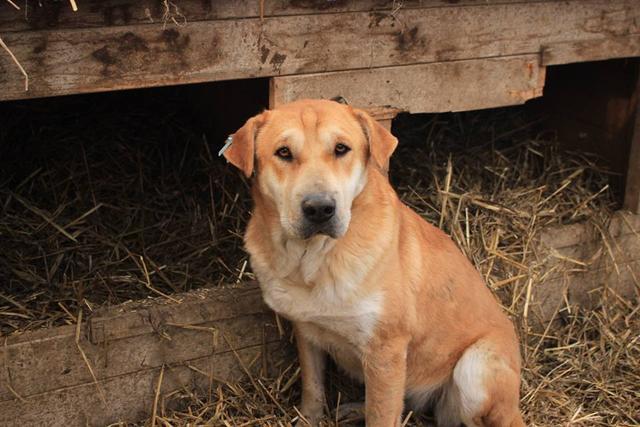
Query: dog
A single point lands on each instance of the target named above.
(364, 278)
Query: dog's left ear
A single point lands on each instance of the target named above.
(382, 143)
(241, 152)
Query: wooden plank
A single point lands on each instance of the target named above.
(583, 245)
(632, 189)
(203, 305)
(425, 88)
(591, 50)
(592, 263)
(130, 397)
(34, 363)
(58, 15)
(90, 60)
(562, 236)
(29, 373)
(580, 288)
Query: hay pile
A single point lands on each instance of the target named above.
(102, 202)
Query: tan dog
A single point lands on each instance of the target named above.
(364, 278)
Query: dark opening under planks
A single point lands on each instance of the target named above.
(425, 88)
(101, 59)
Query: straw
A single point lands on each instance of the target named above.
(134, 205)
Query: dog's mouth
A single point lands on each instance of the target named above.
(310, 230)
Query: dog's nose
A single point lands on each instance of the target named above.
(318, 208)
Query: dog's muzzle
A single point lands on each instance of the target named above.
(319, 215)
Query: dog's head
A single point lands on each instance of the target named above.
(310, 159)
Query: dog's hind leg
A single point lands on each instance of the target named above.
(485, 388)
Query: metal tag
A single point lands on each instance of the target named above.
(226, 145)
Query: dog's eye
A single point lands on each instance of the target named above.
(284, 153)
(341, 149)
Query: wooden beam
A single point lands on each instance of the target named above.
(57, 15)
(129, 398)
(591, 50)
(582, 242)
(427, 88)
(101, 59)
(133, 337)
(632, 188)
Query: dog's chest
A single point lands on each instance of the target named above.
(314, 290)
(354, 320)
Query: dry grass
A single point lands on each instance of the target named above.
(135, 205)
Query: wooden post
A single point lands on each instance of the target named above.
(384, 115)
(632, 190)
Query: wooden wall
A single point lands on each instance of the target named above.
(118, 44)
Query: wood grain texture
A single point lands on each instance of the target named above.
(207, 323)
(591, 50)
(592, 264)
(90, 60)
(425, 88)
(130, 397)
(50, 15)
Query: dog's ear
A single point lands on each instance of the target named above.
(241, 152)
(382, 143)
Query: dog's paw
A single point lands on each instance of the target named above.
(310, 417)
(308, 422)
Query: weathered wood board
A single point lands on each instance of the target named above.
(425, 88)
(100, 59)
(594, 261)
(129, 398)
(591, 50)
(48, 15)
(44, 378)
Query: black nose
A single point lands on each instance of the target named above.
(318, 208)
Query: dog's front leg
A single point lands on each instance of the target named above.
(312, 364)
(385, 367)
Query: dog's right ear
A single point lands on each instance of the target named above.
(241, 152)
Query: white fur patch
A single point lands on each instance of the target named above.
(310, 285)
(468, 376)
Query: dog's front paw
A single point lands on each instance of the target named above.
(308, 421)
(310, 415)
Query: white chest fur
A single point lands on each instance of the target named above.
(312, 284)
